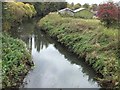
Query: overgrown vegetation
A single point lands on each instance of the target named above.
(16, 61)
(88, 39)
(15, 12)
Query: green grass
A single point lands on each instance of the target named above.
(86, 14)
(16, 61)
(88, 39)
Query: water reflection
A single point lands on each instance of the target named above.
(47, 52)
(26, 32)
(86, 69)
(40, 40)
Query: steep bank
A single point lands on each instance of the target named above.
(14, 14)
(88, 39)
(16, 61)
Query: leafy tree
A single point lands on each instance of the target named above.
(86, 5)
(76, 6)
(94, 7)
(46, 7)
(108, 13)
(69, 6)
(72, 6)
(16, 12)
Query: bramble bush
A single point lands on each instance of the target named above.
(109, 13)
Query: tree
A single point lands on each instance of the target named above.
(16, 12)
(46, 7)
(118, 5)
(94, 7)
(72, 4)
(108, 13)
(86, 5)
(76, 6)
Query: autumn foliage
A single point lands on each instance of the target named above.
(109, 13)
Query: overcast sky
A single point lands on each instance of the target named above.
(90, 1)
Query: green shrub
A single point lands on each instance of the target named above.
(16, 61)
(15, 12)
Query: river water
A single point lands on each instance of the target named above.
(55, 66)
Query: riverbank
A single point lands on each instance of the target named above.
(88, 39)
(15, 58)
(16, 61)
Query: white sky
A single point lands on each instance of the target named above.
(90, 1)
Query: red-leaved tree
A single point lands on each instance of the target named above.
(108, 13)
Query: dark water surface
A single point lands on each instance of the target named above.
(55, 66)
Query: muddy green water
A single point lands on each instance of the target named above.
(55, 66)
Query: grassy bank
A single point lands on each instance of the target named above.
(88, 39)
(16, 61)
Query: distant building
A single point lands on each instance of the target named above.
(66, 11)
(79, 9)
(79, 13)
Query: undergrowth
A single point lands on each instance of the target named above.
(16, 61)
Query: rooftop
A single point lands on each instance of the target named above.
(79, 9)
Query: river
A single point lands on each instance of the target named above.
(55, 66)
